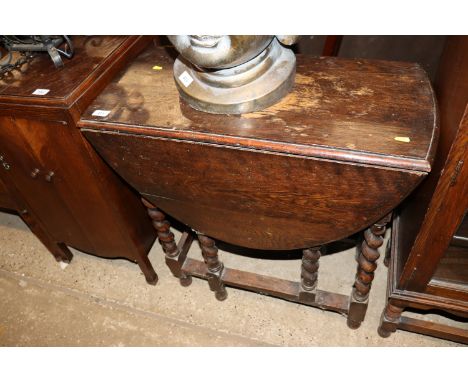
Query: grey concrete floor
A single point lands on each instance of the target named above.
(101, 302)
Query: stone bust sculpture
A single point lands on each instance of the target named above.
(233, 74)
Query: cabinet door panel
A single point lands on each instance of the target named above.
(81, 181)
(21, 145)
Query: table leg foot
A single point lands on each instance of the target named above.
(389, 320)
(221, 295)
(353, 324)
(152, 280)
(215, 266)
(148, 270)
(185, 280)
(357, 312)
(62, 253)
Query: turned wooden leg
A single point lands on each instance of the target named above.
(168, 244)
(389, 320)
(367, 263)
(215, 267)
(59, 250)
(148, 270)
(309, 273)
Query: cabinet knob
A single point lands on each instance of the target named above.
(49, 176)
(6, 166)
(35, 173)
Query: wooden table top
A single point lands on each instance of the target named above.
(63, 84)
(364, 111)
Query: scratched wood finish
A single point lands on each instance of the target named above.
(255, 199)
(350, 110)
(319, 166)
(60, 186)
(428, 267)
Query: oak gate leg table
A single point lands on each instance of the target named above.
(333, 158)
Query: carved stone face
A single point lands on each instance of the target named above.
(219, 52)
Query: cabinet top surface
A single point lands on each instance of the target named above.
(363, 111)
(91, 52)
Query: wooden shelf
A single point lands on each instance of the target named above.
(453, 269)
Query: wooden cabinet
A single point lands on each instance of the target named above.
(51, 175)
(429, 248)
(333, 158)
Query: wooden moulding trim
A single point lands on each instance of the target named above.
(431, 152)
(392, 281)
(325, 152)
(26, 111)
(434, 329)
(115, 62)
(285, 289)
(444, 288)
(65, 102)
(428, 301)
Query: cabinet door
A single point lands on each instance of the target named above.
(26, 146)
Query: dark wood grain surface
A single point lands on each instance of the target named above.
(353, 110)
(319, 166)
(255, 199)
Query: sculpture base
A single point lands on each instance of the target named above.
(249, 87)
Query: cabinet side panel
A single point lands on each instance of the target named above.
(452, 93)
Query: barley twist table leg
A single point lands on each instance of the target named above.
(309, 268)
(215, 267)
(367, 264)
(166, 239)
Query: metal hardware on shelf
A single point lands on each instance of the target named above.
(27, 46)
